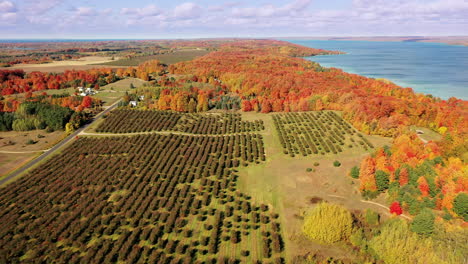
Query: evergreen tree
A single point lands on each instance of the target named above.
(460, 205)
(381, 180)
(423, 223)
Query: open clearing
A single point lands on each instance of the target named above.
(15, 150)
(114, 91)
(13, 141)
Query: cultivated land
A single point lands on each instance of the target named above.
(284, 183)
(185, 206)
(167, 58)
(84, 63)
(236, 215)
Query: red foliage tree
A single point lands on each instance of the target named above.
(423, 186)
(395, 208)
(404, 177)
(87, 102)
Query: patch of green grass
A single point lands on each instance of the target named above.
(428, 135)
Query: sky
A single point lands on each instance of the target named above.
(149, 19)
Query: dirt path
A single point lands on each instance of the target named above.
(83, 133)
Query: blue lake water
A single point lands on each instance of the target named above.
(430, 68)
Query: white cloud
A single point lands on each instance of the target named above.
(187, 10)
(85, 11)
(363, 17)
(150, 10)
(36, 7)
(7, 7)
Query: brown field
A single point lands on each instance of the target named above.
(283, 183)
(11, 161)
(84, 63)
(19, 140)
(15, 152)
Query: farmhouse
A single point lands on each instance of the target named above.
(86, 91)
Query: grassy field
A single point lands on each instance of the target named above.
(428, 135)
(169, 58)
(284, 183)
(114, 91)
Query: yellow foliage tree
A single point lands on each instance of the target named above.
(328, 223)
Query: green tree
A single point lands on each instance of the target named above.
(381, 180)
(460, 205)
(192, 106)
(328, 223)
(423, 223)
(354, 172)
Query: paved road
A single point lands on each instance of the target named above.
(56, 147)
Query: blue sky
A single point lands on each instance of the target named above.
(151, 19)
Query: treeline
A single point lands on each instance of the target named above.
(40, 115)
(17, 81)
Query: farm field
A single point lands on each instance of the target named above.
(17, 148)
(167, 58)
(317, 133)
(100, 197)
(226, 192)
(284, 183)
(84, 63)
(130, 121)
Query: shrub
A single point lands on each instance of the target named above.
(460, 205)
(309, 169)
(30, 142)
(357, 238)
(328, 223)
(316, 164)
(372, 218)
(423, 223)
(354, 172)
(336, 163)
